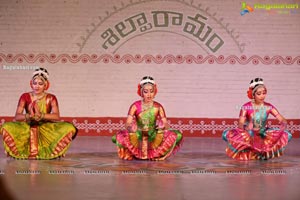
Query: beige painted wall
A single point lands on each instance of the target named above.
(196, 89)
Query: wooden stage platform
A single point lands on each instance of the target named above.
(200, 170)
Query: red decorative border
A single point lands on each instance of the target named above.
(190, 127)
(158, 59)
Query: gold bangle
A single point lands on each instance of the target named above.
(26, 117)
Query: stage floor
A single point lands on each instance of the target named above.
(200, 170)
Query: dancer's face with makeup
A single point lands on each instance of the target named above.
(148, 93)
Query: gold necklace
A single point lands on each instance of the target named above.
(37, 98)
(146, 106)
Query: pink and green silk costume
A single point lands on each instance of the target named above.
(149, 141)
